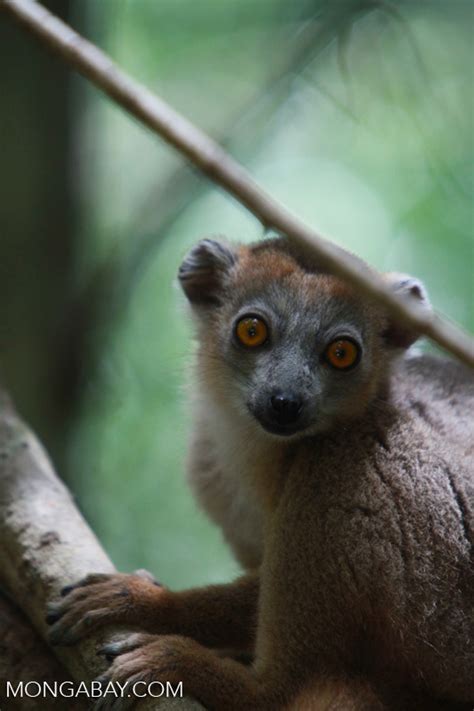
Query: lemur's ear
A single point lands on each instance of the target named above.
(204, 269)
(397, 335)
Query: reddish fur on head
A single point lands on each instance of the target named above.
(304, 307)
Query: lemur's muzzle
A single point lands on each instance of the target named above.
(284, 409)
(280, 413)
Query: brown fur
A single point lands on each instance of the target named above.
(216, 616)
(362, 532)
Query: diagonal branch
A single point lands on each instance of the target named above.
(115, 278)
(182, 186)
(218, 165)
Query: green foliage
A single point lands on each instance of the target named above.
(371, 143)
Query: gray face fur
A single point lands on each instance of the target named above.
(291, 366)
(286, 386)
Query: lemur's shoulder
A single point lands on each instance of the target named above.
(440, 393)
(441, 378)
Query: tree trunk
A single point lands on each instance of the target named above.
(37, 244)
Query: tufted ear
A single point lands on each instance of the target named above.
(204, 269)
(397, 335)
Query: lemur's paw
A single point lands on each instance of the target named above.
(124, 644)
(101, 599)
(141, 663)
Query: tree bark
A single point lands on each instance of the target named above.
(24, 656)
(46, 544)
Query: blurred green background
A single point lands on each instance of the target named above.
(357, 115)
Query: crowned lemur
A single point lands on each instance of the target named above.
(341, 473)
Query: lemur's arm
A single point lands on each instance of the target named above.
(216, 616)
(222, 683)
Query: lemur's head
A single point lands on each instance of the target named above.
(291, 348)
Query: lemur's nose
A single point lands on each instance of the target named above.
(285, 408)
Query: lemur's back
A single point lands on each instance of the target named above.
(440, 392)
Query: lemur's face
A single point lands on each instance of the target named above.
(292, 350)
(299, 356)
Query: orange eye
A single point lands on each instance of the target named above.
(342, 354)
(251, 331)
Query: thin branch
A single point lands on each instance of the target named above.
(46, 544)
(169, 192)
(176, 192)
(217, 165)
(116, 278)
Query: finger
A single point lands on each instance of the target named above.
(90, 579)
(69, 629)
(115, 648)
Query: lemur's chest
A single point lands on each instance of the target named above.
(224, 466)
(243, 523)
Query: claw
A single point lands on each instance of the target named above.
(110, 651)
(66, 632)
(129, 643)
(52, 617)
(54, 612)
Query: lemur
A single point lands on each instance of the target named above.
(341, 473)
